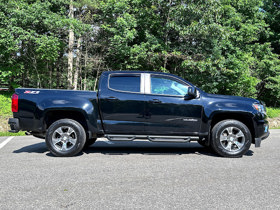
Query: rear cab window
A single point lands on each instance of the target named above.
(125, 82)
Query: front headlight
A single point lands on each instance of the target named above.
(259, 108)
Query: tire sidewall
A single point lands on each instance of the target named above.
(80, 132)
(216, 133)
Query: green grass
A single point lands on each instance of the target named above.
(21, 133)
(6, 113)
(273, 112)
(5, 103)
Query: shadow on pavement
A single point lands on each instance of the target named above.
(155, 149)
(126, 148)
(149, 151)
(34, 148)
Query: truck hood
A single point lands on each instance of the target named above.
(231, 98)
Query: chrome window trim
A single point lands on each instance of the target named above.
(147, 83)
(167, 76)
(123, 91)
(142, 84)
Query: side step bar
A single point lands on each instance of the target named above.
(120, 137)
(112, 137)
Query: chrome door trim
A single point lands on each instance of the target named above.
(147, 83)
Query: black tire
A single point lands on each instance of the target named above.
(231, 138)
(90, 142)
(65, 138)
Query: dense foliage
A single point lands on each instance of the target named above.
(224, 46)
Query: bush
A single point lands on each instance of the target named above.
(273, 112)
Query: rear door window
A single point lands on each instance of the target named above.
(127, 83)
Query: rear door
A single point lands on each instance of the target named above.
(122, 104)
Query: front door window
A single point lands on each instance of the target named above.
(167, 86)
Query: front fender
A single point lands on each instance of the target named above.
(219, 110)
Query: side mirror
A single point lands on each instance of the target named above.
(191, 93)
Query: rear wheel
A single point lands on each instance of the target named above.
(65, 138)
(231, 138)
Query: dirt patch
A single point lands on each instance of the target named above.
(274, 122)
(4, 126)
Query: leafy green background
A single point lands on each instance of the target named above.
(225, 46)
(222, 46)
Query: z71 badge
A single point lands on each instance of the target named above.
(31, 92)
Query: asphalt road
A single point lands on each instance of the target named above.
(138, 175)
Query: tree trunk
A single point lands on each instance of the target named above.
(77, 63)
(85, 72)
(59, 69)
(11, 80)
(57, 77)
(97, 74)
(38, 75)
(70, 48)
(166, 38)
(85, 81)
(23, 77)
(50, 75)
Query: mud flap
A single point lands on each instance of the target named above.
(258, 142)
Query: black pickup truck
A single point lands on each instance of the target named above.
(130, 105)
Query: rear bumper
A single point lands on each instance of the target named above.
(14, 124)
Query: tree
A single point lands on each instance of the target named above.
(271, 10)
(225, 46)
(29, 40)
(34, 42)
(70, 47)
(268, 88)
(210, 43)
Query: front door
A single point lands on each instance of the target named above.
(166, 111)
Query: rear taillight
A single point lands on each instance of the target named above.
(15, 103)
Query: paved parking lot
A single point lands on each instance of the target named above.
(138, 175)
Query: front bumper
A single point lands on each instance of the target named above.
(258, 140)
(261, 131)
(14, 124)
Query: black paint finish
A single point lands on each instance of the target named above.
(168, 115)
(109, 111)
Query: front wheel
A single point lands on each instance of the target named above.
(231, 138)
(65, 138)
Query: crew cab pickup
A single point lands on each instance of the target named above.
(132, 105)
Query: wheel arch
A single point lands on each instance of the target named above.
(54, 115)
(245, 118)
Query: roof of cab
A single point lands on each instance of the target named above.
(106, 73)
(139, 72)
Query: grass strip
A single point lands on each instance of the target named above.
(6, 133)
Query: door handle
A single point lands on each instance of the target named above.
(155, 101)
(111, 98)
